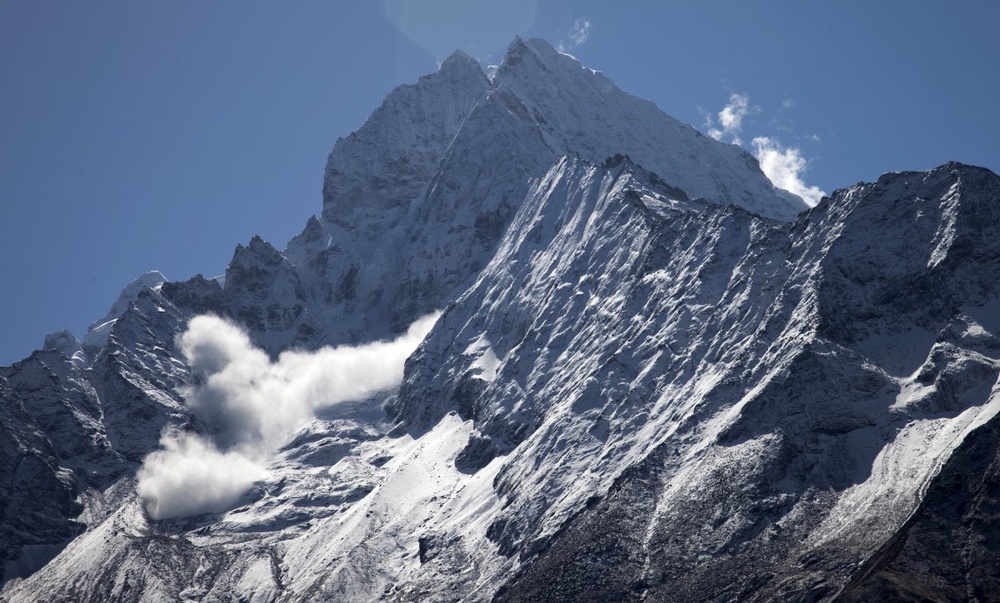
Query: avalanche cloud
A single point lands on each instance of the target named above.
(250, 406)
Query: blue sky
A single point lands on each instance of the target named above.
(158, 135)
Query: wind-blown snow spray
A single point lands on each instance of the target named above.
(251, 406)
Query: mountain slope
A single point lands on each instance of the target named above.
(651, 379)
(666, 380)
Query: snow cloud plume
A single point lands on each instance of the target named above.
(784, 166)
(251, 406)
(190, 476)
(578, 35)
(731, 118)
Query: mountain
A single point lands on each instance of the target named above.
(653, 377)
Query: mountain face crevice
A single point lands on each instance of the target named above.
(654, 377)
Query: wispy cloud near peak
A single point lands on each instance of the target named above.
(731, 118)
(784, 166)
(577, 36)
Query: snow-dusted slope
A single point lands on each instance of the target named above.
(579, 111)
(97, 335)
(643, 385)
(699, 392)
(374, 174)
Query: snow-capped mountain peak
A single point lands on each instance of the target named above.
(460, 61)
(581, 112)
(97, 335)
(652, 377)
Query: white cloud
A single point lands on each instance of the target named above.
(580, 31)
(251, 406)
(731, 118)
(785, 167)
(189, 476)
(578, 35)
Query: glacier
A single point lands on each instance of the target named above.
(654, 377)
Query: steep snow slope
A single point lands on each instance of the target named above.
(579, 111)
(373, 174)
(947, 550)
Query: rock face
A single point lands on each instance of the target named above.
(739, 393)
(653, 378)
(37, 496)
(947, 550)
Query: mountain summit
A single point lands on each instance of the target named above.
(434, 176)
(543, 343)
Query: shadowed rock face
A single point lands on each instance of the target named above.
(948, 549)
(649, 382)
(37, 497)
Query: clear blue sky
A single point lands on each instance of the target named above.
(158, 135)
